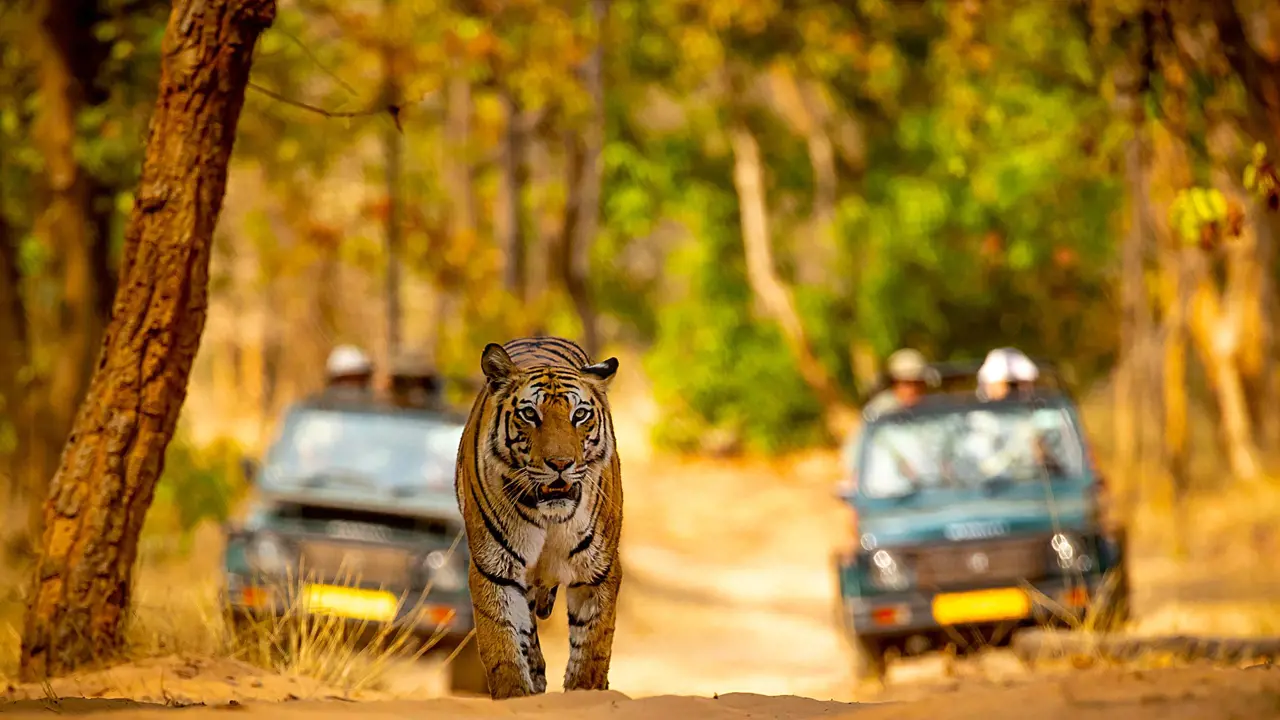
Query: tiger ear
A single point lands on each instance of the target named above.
(602, 371)
(496, 364)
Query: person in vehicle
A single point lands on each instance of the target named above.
(414, 382)
(1002, 442)
(348, 374)
(907, 370)
(1003, 370)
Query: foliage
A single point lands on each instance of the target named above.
(975, 189)
(199, 483)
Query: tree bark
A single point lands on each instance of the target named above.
(586, 178)
(105, 482)
(748, 179)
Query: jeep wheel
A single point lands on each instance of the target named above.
(466, 671)
(868, 659)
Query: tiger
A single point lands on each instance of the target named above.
(539, 486)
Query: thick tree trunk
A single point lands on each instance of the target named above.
(586, 178)
(774, 295)
(104, 485)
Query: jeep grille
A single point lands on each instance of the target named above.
(981, 562)
(351, 564)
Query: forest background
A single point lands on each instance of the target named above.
(753, 203)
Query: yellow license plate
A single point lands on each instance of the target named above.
(981, 606)
(376, 605)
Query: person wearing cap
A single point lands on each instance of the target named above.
(413, 380)
(907, 370)
(348, 374)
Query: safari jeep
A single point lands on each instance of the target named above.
(355, 518)
(974, 518)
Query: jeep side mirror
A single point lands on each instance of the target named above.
(249, 468)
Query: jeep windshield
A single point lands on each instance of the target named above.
(986, 446)
(368, 453)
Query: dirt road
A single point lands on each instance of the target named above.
(1154, 695)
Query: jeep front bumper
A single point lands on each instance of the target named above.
(914, 611)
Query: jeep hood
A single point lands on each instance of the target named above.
(935, 517)
(424, 505)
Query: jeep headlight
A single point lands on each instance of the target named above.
(269, 555)
(441, 573)
(888, 572)
(1070, 553)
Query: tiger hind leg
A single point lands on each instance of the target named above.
(533, 648)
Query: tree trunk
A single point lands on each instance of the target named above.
(456, 153)
(13, 357)
(104, 485)
(586, 176)
(1128, 402)
(547, 227)
(1175, 377)
(748, 179)
(510, 192)
(392, 151)
(67, 57)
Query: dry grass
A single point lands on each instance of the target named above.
(178, 614)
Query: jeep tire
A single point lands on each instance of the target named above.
(868, 659)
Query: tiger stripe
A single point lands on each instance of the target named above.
(539, 487)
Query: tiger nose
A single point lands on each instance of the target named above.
(559, 464)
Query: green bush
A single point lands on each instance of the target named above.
(199, 483)
(715, 367)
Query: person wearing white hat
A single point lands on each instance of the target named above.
(1003, 369)
(348, 373)
(998, 442)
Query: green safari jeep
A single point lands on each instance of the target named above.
(974, 518)
(355, 518)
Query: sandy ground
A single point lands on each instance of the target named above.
(1194, 694)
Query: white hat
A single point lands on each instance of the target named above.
(1022, 368)
(347, 360)
(1007, 365)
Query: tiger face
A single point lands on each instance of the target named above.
(551, 430)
